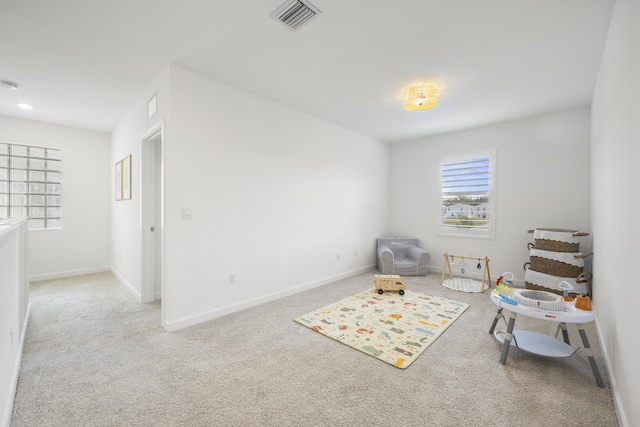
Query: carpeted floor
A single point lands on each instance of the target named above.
(95, 357)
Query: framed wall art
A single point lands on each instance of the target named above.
(123, 179)
(126, 178)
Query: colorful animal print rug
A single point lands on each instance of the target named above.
(391, 327)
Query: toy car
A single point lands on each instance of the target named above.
(389, 282)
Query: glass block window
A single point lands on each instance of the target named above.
(31, 184)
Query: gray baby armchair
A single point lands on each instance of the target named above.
(402, 256)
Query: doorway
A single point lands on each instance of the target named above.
(151, 215)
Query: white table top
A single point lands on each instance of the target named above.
(570, 315)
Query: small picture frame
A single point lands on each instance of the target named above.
(126, 177)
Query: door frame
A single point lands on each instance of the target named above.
(152, 143)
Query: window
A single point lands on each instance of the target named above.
(31, 184)
(467, 201)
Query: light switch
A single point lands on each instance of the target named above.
(186, 213)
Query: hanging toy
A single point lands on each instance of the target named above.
(478, 266)
(462, 264)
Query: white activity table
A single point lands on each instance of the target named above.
(542, 344)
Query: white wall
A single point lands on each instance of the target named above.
(82, 245)
(542, 181)
(275, 195)
(615, 205)
(126, 258)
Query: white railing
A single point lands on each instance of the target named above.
(14, 308)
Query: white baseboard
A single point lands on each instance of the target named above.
(612, 381)
(126, 285)
(210, 315)
(8, 409)
(57, 275)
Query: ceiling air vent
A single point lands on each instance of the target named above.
(295, 13)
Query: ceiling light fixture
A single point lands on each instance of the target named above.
(25, 106)
(8, 85)
(421, 97)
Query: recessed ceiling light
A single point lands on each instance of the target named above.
(8, 85)
(25, 106)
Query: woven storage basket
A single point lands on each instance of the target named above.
(582, 279)
(566, 240)
(553, 245)
(554, 268)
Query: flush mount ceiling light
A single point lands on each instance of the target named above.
(25, 106)
(421, 97)
(8, 85)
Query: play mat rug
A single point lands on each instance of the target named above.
(391, 327)
(464, 285)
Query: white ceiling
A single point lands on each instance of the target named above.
(84, 63)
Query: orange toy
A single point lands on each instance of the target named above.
(583, 302)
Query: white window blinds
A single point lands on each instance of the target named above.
(467, 204)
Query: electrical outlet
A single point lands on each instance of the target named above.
(338, 256)
(11, 335)
(233, 278)
(355, 252)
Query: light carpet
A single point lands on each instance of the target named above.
(391, 327)
(94, 356)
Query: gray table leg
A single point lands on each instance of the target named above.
(507, 338)
(565, 333)
(592, 359)
(495, 320)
